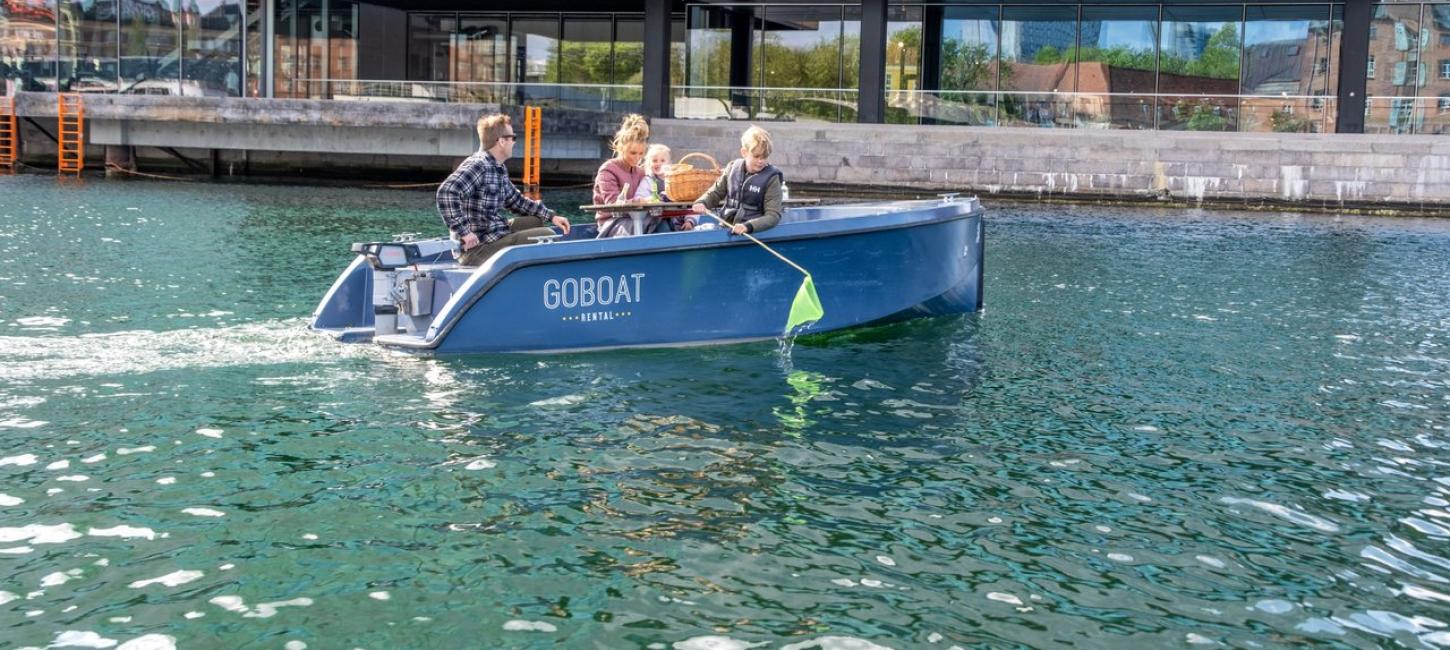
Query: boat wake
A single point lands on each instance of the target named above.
(30, 358)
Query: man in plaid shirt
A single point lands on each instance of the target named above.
(470, 199)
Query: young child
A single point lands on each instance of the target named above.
(652, 188)
(750, 188)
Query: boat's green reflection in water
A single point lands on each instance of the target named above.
(1165, 429)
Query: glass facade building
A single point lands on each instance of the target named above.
(1204, 66)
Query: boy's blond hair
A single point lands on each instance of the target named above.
(757, 141)
(490, 127)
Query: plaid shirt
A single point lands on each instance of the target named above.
(469, 200)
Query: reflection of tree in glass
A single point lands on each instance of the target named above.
(968, 66)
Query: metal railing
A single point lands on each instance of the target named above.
(1167, 111)
(601, 97)
(1407, 115)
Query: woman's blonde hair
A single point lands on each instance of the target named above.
(631, 131)
(757, 141)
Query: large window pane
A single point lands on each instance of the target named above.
(629, 51)
(284, 49)
(1117, 57)
(1039, 46)
(802, 50)
(150, 49)
(213, 64)
(1435, 59)
(1199, 55)
(342, 36)
(255, 48)
(679, 39)
(533, 42)
(430, 55)
(586, 55)
(1394, 58)
(903, 64)
(311, 49)
(1286, 59)
(969, 45)
(88, 44)
(28, 30)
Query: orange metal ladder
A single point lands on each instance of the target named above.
(533, 138)
(71, 138)
(9, 135)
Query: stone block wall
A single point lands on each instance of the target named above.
(1409, 174)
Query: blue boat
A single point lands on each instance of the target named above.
(872, 262)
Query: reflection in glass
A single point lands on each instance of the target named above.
(150, 49)
(533, 42)
(679, 39)
(255, 48)
(969, 46)
(1394, 47)
(28, 64)
(1435, 56)
(802, 49)
(430, 52)
(481, 49)
(903, 64)
(213, 63)
(88, 45)
(629, 62)
(1199, 50)
(585, 54)
(1039, 46)
(1117, 57)
(1286, 57)
(284, 50)
(311, 49)
(342, 37)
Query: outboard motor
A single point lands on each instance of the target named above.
(402, 293)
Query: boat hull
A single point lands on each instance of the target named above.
(700, 288)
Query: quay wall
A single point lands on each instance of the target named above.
(1396, 173)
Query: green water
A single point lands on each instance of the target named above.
(1168, 428)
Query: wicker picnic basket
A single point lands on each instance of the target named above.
(688, 183)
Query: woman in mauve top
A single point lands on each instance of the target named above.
(619, 176)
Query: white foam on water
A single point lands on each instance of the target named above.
(1287, 514)
(16, 550)
(872, 582)
(126, 451)
(173, 579)
(6, 597)
(1004, 598)
(74, 639)
(120, 619)
(7, 500)
(166, 480)
(210, 433)
(1120, 557)
(481, 463)
(294, 645)
(1199, 639)
(226, 567)
(203, 512)
(715, 643)
(192, 615)
(262, 610)
(145, 351)
(150, 642)
(128, 532)
(60, 464)
(42, 321)
(93, 459)
(39, 534)
(74, 478)
(19, 461)
(1274, 606)
(310, 537)
(1211, 561)
(529, 626)
(56, 579)
(844, 582)
(835, 643)
(380, 595)
(21, 423)
(567, 400)
(885, 560)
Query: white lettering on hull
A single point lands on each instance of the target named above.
(586, 291)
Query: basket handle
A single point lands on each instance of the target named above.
(713, 165)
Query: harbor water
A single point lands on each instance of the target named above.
(1168, 428)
